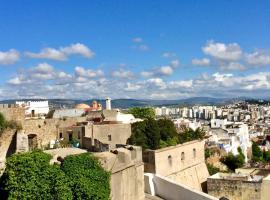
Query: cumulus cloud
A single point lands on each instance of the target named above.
(131, 87)
(258, 58)
(90, 73)
(233, 66)
(62, 53)
(122, 74)
(223, 51)
(9, 57)
(201, 62)
(158, 71)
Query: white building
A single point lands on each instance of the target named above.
(34, 108)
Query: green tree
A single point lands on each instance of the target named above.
(142, 113)
(138, 136)
(257, 154)
(87, 178)
(30, 176)
(167, 129)
(189, 134)
(266, 156)
(233, 162)
(152, 134)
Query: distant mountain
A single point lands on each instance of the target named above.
(126, 103)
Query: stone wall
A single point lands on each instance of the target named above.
(234, 189)
(127, 179)
(7, 146)
(12, 113)
(48, 129)
(183, 163)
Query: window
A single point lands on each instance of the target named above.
(70, 137)
(182, 156)
(60, 135)
(79, 135)
(109, 137)
(194, 153)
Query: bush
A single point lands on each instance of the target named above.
(30, 176)
(257, 154)
(87, 178)
(233, 162)
(212, 169)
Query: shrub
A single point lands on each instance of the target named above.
(212, 169)
(233, 162)
(30, 176)
(257, 154)
(87, 178)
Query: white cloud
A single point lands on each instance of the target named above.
(9, 57)
(258, 58)
(137, 40)
(233, 66)
(222, 51)
(80, 71)
(79, 49)
(132, 87)
(201, 62)
(175, 63)
(122, 74)
(168, 55)
(147, 74)
(62, 53)
(165, 70)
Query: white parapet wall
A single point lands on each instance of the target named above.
(165, 188)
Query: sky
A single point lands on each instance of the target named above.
(154, 49)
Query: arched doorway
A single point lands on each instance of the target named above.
(32, 142)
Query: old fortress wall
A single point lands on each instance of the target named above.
(183, 163)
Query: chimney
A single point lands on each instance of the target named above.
(108, 103)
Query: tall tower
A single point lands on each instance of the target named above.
(108, 103)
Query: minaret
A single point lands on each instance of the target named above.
(108, 103)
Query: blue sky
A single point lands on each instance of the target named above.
(134, 49)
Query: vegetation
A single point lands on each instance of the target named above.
(30, 176)
(4, 124)
(233, 162)
(142, 113)
(212, 169)
(257, 154)
(189, 134)
(155, 134)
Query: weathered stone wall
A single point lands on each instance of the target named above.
(48, 129)
(193, 177)
(12, 113)
(7, 145)
(234, 189)
(127, 179)
(109, 134)
(183, 163)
